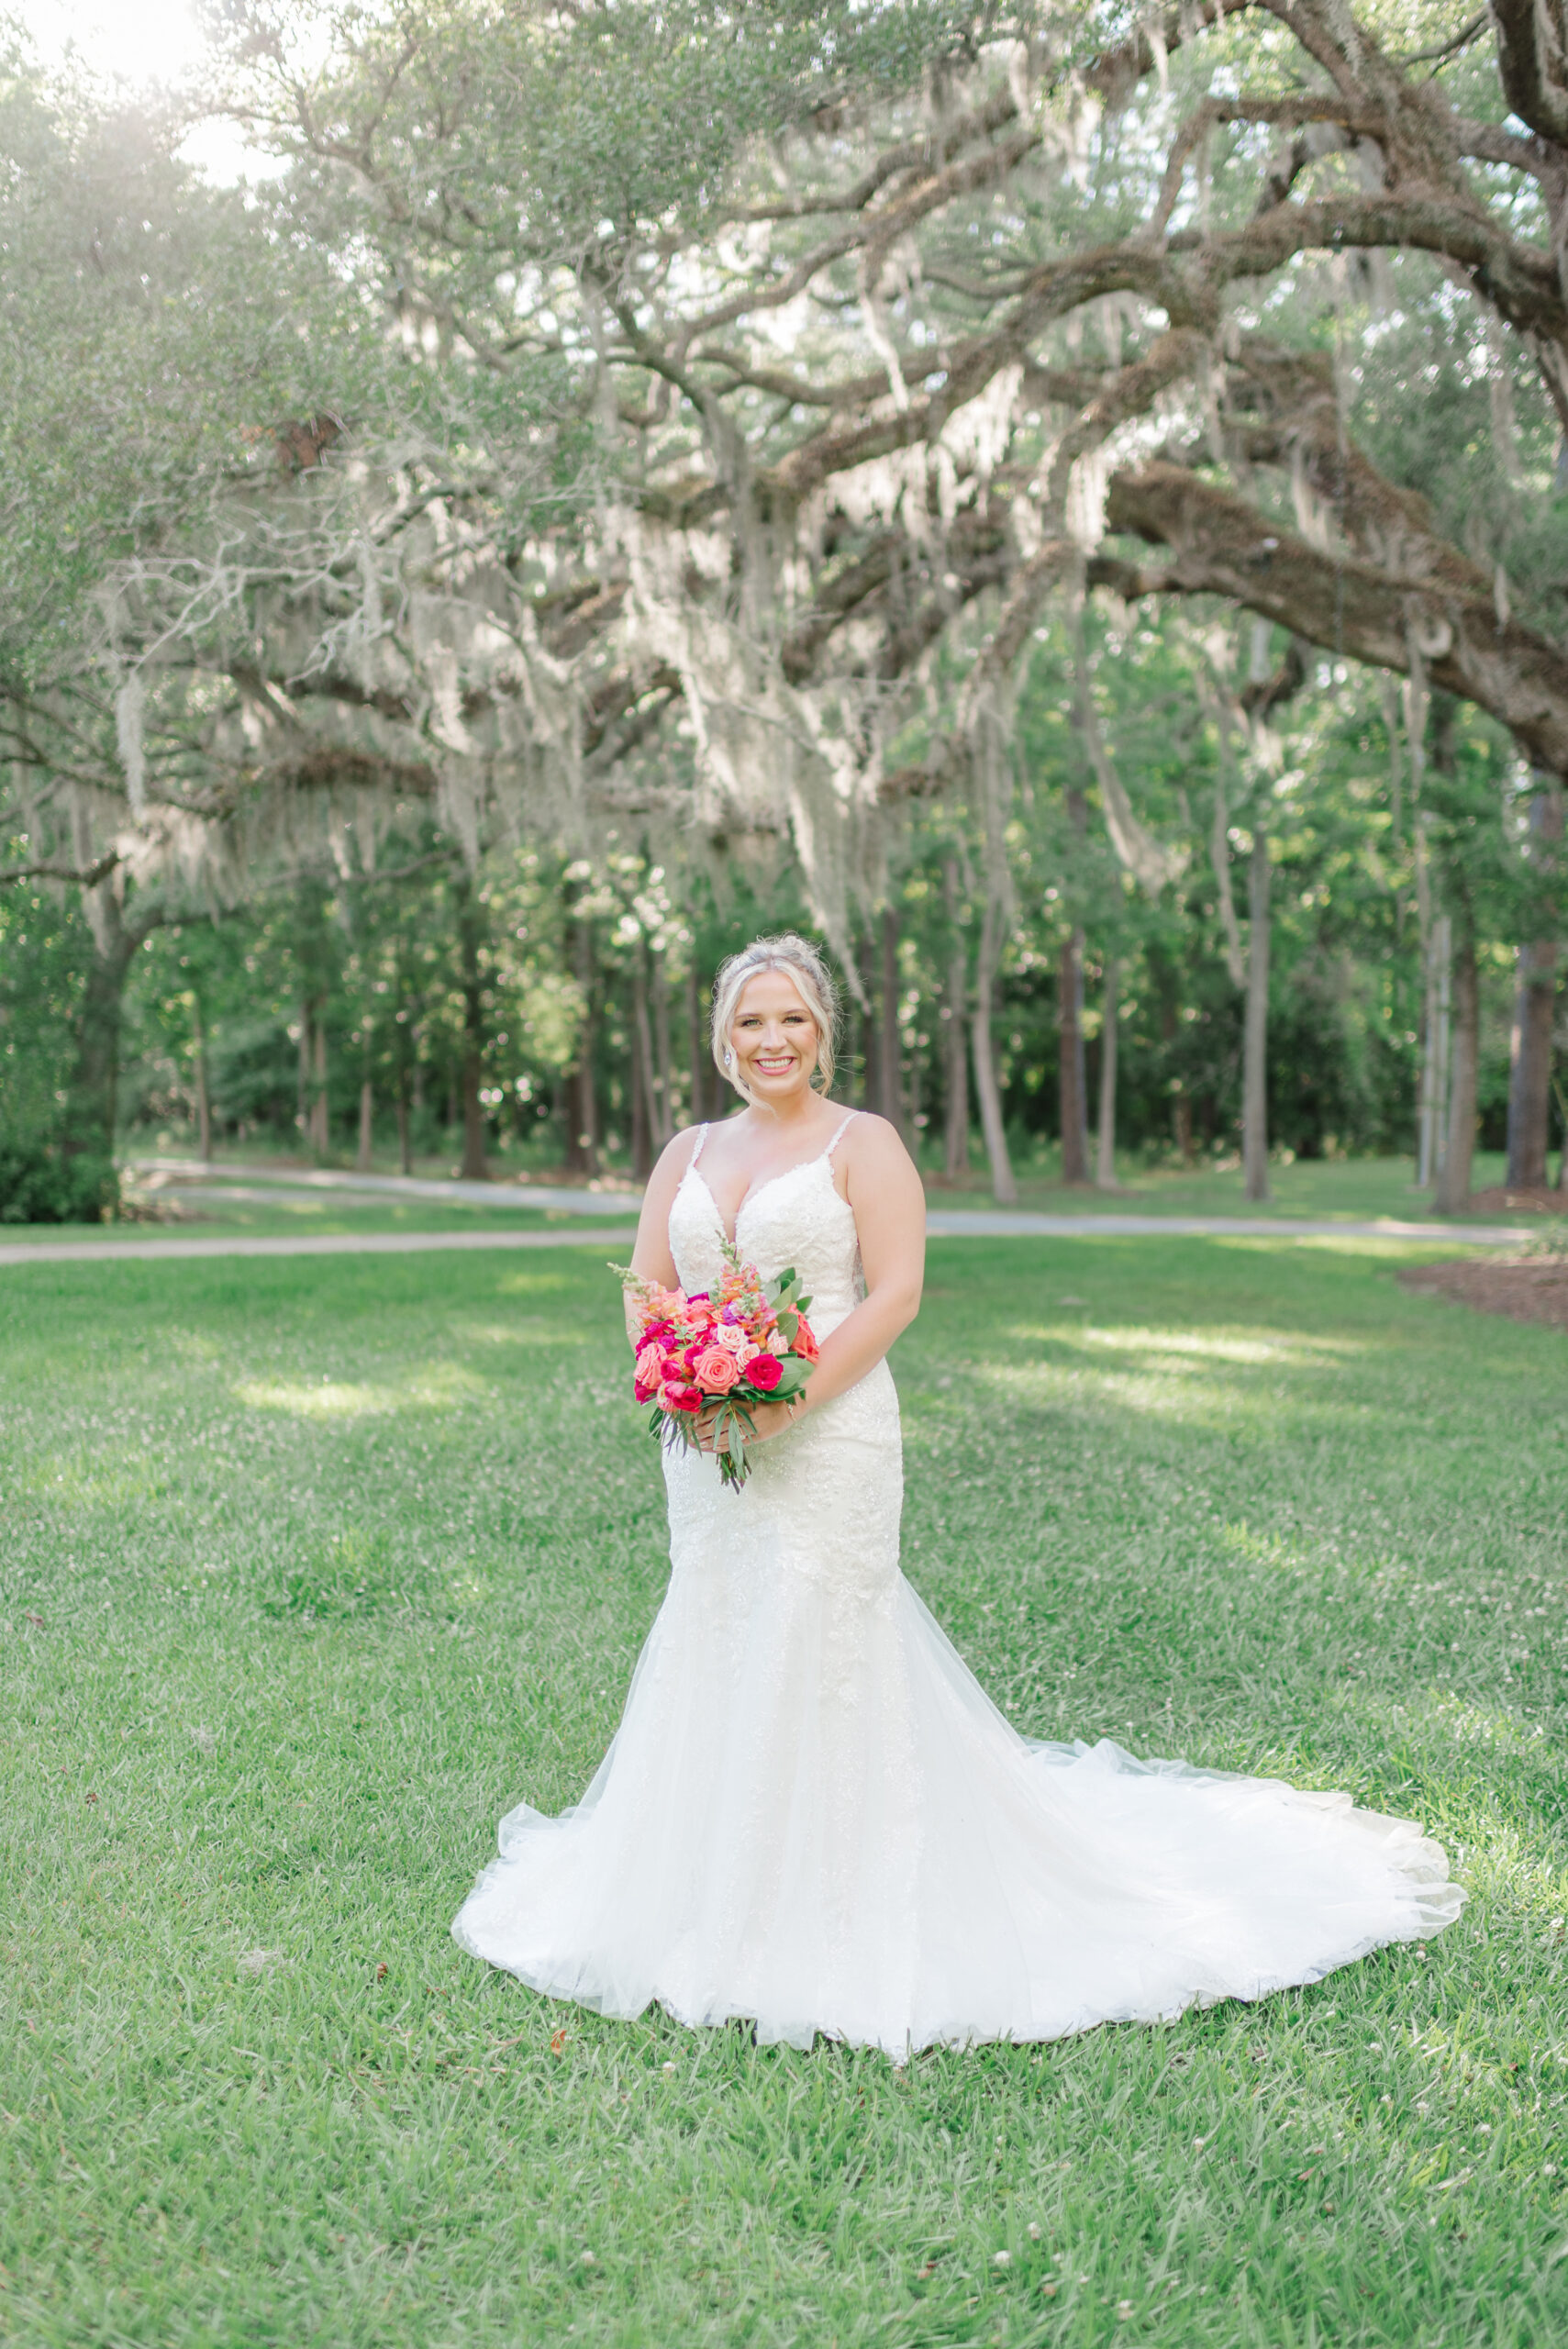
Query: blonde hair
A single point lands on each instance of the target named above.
(811, 975)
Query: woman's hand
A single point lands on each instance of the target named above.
(772, 1419)
(769, 1420)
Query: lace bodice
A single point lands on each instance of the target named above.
(796, 1218)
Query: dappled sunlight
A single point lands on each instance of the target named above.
(1201, 1385)
(1264, 1550)
(523, 1281)
(529, 1329)
(121, 1485)
(191, 1345)
(439, 1386)
(1296, 1351)
(1467, 1723)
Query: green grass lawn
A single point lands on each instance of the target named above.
(301, 1586)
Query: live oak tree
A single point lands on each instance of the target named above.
(751, 388)
(887, 326)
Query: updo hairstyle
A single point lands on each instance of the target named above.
(817, 992)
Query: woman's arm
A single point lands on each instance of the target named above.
(650, 1258)
(889, 1201)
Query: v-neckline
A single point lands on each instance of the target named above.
(756, 1191)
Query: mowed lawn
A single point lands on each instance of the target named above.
(311, 1568)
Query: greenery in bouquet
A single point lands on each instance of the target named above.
(705, 1361)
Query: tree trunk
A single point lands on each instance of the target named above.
(870, 1027)
(404, 1152)
(470, 931)
(301, 1117)
(93, 1090)
(1530, 1047)
(1441, 1039)
(1453, 1180)
(1561, 1100)
(1529, 1064)
(320, 1118)
(367, 1124)
(890, 1056)
(1104, 1163)
(1004, 1188)
(1070, 1035)
(1256, 1053)
(204, 1100)
(663, 1110)
(955, 1020)
(582, 1097)
(643, 1113)
(697, 1046)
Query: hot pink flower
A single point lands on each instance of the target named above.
(681, 1399)
(764, 1371)
(716, 1369)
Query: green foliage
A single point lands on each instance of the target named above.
(42, 1182)
(1208, 1498)
(154, 334)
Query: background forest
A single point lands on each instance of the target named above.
(1067, 504)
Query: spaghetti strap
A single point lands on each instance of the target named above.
(838, 1130)
(702, 1137)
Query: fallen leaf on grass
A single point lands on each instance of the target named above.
(28, 1616)
(557, 2043)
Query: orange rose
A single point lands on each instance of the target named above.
(716, 1369)
(805, 1342)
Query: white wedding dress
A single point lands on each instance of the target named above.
(813, 1817)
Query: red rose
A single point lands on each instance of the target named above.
(764, 1371)
(681, 1399)
(805, 1342)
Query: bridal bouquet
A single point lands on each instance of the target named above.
(722, 1353)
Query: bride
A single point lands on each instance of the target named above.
(811, 1815)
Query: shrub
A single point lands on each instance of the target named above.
(41, 1182)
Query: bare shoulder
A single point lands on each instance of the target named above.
(674, 1158)
(872, 1139)
(677, 1150)
(873, 1153)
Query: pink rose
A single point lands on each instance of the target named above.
(649, 1370)
(764, 1371)
(680, 1398)
(716, 1369)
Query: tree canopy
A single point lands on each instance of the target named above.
(691, 422)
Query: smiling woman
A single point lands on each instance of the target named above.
(812, 1817)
